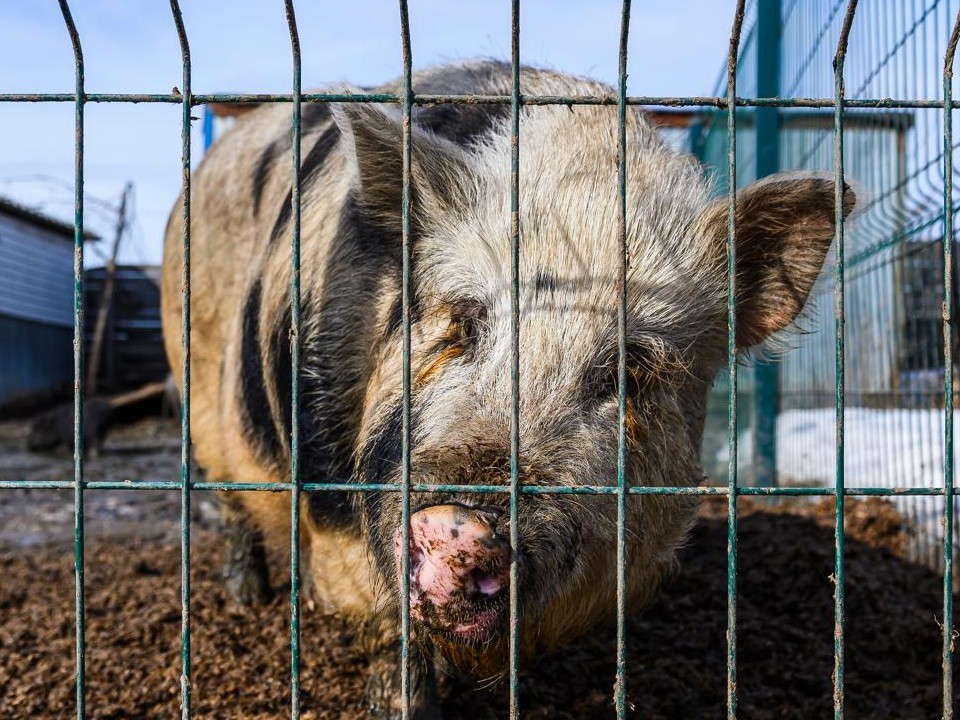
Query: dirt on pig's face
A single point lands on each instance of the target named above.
(568, 410)
(567, 390)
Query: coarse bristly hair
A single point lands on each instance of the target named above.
(462, 342)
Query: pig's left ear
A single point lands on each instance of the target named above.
(785, 225)
(373, 139)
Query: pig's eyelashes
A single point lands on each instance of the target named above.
(467, 325)
(603, 385)
(468, 322)
(603, 380)
(649, 362)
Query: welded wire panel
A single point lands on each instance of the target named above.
(892, 351)
(886, 130)
(894, 367)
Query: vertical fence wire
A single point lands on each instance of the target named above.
(839, 329)
(407, 299)
(948, 509)
(621, 612)
(78, 306)
(514, 356)
(295, 370)
(185, 660)
(732, 359)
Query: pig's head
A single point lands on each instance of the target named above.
(461, 420)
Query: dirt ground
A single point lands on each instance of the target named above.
(676, 647)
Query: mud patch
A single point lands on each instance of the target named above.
(676, 648)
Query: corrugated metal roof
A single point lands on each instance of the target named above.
(15, 209)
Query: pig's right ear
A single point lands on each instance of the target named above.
(373, 142)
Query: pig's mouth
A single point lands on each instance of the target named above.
(465, 625)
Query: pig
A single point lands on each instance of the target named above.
(351, 358)
(54, 428)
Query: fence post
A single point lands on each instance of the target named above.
(766, 385)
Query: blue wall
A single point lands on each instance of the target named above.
(36, 273)
(33, 356)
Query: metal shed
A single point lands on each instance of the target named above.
(132, 353)
(36, 300)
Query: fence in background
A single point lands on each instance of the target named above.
(893, 256)
(805, 115)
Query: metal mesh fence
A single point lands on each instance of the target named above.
(900, 63)
(894, 371)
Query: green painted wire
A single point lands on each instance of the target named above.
(621, 611)
(703, 101)
(407, 299)
(948, 400)
(78, 375)
(732, 561)
(295, 566)
(839, 326)
(186, 104)
(514, 610)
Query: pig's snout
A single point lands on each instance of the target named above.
(459, 570)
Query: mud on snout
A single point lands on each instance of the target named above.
(459, 550)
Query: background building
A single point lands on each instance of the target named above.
(36, 301)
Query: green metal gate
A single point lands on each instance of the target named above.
(894, 367)
(790, 123)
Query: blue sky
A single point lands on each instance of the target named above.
(676, 48)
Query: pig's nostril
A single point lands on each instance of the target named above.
(480, 583)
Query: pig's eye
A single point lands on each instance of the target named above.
(645, 363)
(468, 321)
(603, 384)
(648, 363)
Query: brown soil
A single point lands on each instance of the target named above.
(676, 648)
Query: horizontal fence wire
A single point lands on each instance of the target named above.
(480, 489)
(707, 101)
